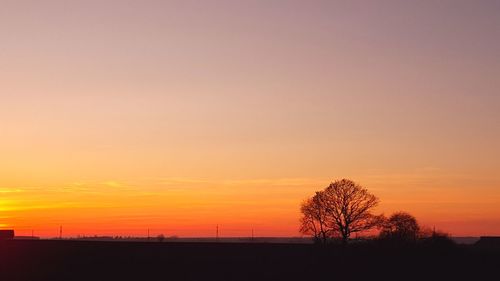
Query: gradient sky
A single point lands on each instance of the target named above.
(118, 116)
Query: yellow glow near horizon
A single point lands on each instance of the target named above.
(191, 207)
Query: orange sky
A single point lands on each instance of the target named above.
(119, 116)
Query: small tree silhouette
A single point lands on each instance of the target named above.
(400, 226)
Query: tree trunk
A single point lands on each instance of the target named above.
(345, 237)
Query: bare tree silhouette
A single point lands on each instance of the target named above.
(400, 226)
(341, 209)
(314, 219)
(349, 206)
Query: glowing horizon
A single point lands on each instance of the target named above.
(119, 116)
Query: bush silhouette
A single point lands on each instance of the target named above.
(400, 227)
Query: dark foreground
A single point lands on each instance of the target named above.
(83, 260)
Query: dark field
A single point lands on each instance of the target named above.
(84, 260)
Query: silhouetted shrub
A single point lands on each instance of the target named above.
(160, 238)
(401, 227)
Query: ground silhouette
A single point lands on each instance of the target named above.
(90, 260)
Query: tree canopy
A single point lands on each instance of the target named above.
(342, 208)
(400, 226)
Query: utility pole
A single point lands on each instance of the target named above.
(252, 235)
(60, 232)
(148, 233)
(217, 233)
(32, 233)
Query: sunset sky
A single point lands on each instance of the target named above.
(119, 116)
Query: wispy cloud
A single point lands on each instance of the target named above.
(182, 181)
(10, 190)
(113, 184)
(175, 181)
